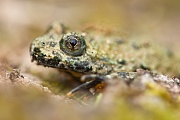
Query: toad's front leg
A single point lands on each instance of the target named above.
(94, 83)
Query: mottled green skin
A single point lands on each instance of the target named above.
(105, 52)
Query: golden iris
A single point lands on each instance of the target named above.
(73, 44)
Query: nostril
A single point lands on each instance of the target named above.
(43, 43)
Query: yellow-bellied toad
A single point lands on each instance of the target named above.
(95, 55)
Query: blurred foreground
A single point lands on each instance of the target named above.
(24, 97)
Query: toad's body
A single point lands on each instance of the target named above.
(95, 52)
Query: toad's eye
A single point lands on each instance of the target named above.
(73, 44)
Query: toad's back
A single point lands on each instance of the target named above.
(96, 52)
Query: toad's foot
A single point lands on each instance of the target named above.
(94, 83)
